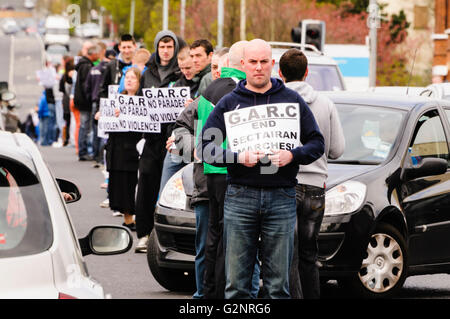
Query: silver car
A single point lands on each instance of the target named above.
(40, 254)
(324, 73)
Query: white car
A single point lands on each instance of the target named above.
(10, 26)
(437, 91)
(91, 30)
(396, 90)
(40, 254)
(323, 71)
(57, 31)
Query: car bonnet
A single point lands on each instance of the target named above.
(339, 173)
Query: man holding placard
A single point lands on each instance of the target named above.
(260, 198)
(162, 69)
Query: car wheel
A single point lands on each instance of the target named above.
(170, 279)
(384, 266)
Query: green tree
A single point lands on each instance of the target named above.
(120, 11)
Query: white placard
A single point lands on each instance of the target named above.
(113, 91)
(108, 122)
(167, 103)
(137, 114)
(47, 77)
(264, 127)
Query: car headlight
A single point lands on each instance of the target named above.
(345, 198)
(173, 194)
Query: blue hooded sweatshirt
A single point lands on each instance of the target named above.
(43, 110)
(312, 142)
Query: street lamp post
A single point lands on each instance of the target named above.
(373, 22)
(243, 20)
(166, 15)
(133, 6)
(220, 18)
(182, 17)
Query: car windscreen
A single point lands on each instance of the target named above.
(25, 224)
(56, 50)
(322, 77)
(370, 132)
(57, 31)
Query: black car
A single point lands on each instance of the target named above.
(387, 211)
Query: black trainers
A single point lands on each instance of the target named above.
(85, 158)
(131, 226)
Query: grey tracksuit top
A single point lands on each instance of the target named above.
(327, 119)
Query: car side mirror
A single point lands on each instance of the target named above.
(106, 240)
(426, 167)
(70, 191)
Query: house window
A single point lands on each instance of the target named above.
(420, 17)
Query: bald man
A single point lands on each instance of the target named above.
(259, 202)
(230, 73)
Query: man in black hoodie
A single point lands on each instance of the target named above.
(82, 101)
(162, 70)
(260, 200)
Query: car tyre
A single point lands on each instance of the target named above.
(170, 279)
(383, 268)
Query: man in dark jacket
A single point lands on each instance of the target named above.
(185, 125)
(114, 69)
(162, 69)
(201, 53)
(172, 162)
(214, 278)
(259, 201)
(82, 100)
(93, 85)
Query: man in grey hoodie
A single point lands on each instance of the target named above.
(162, 70)
(310, 192)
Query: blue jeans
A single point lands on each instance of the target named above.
(51, 131)
(43, 131)
(172, 164)
(201, 210)
(83, 135)
(304, 278)
(251, 214)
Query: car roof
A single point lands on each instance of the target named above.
(314, 56)
(406, 102)
(397, 90)
(15, 146)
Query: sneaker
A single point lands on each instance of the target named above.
(131, 226)
(141, 247)
(105, 203)
(117, 214)
(96, 165)
(85, 158)
(57, 144)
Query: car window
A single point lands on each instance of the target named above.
(57, 31)
(429, 138)
(25, 224)
(370, 132)
(320, 77)
(427, 93)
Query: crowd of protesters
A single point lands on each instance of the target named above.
(245, 220)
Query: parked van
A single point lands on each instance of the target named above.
(57, 31)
